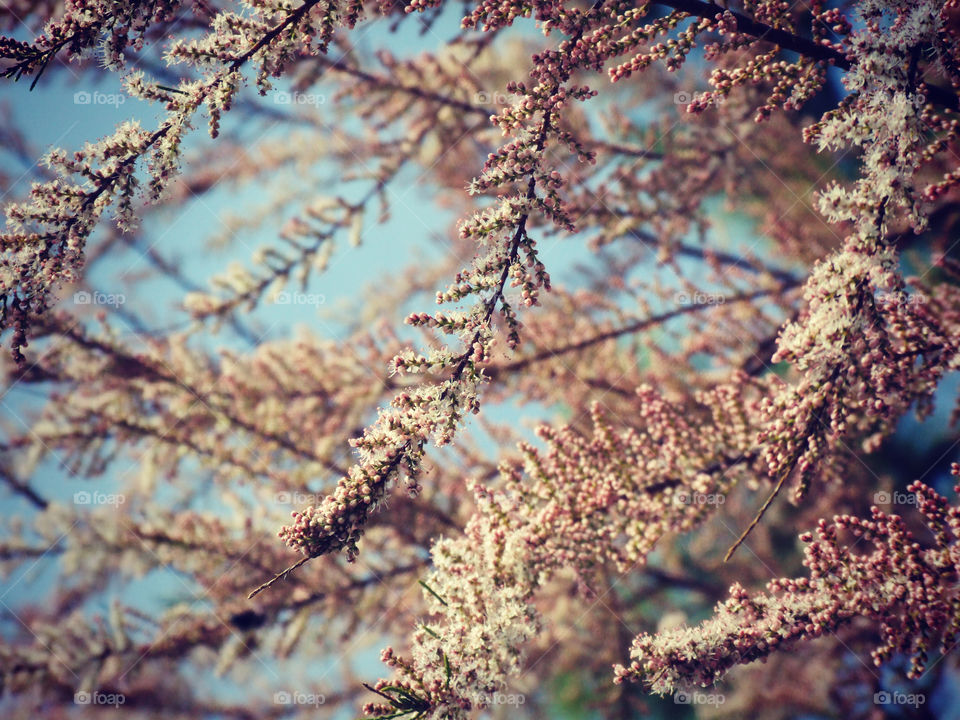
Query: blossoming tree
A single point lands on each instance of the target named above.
(725, 469)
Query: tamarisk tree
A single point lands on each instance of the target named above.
(685, 404)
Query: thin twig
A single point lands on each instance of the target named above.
(759, 516)
(280, 576)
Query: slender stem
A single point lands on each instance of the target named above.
(634, 327)
(279, 576)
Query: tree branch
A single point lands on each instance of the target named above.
(788, 41)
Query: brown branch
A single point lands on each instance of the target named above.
(762, 31)
(384, 83)
(788, 41)
(272, 34)
(22, 488)
(280, 576)
(787, 470)
(638, 326)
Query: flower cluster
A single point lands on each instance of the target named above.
(607, 498)
(884, 113)
(87, 26)
(47, 235)
(864, 361)
(885, 575)
(395, 442)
